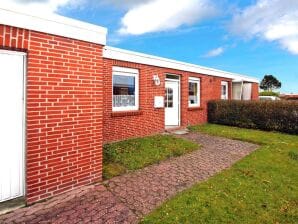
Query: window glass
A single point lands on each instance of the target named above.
(169, 98)
(194, 92)
(125, 89)
(224, 90)
(169, 76)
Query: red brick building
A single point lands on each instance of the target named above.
(289, 97)
(194, 86)
(63, 93)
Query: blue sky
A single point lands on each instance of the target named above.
(253, 37)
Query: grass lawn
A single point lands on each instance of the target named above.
(134, 154)
(261, 188)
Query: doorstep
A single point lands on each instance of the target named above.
(177, 130)
(11, 205)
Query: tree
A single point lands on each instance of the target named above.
(269, 83)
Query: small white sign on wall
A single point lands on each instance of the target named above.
(158, 102)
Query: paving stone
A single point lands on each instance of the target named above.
(127, 198)
(76, 209)
(166, 179)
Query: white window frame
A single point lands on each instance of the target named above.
(131, 73)
(198, 81)
(224, 83)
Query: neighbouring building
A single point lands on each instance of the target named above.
(64, 93)
(292, 97)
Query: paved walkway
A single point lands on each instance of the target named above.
(127, 198)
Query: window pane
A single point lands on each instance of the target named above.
(193, 93)
(169, 98)
(123, 91)
(223, 90)
(169, 76)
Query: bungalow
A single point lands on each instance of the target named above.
(145, 94)
(68, 93)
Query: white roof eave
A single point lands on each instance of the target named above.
(52, 24)
(131, 56)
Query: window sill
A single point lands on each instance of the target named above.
(194, 108)
(126, 113)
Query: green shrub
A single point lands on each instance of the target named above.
(268, 93)
(279, 116)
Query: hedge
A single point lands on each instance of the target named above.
(279, 116)
(268, 93)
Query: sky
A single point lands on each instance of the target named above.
(251, 37)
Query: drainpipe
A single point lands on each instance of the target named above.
(241, 92)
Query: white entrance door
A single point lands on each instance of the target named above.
(224, 90)
(237, 90)
(11, 125)
(172, 103)
(247, 91)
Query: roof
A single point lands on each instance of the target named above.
(52, 24)
(289, 96)
(131, 56)
(71, 28)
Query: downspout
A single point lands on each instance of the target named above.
(241, 92)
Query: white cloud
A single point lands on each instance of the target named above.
(41, 6)
(214, 52)
(125, 4)
(271, 20)
(163, 15)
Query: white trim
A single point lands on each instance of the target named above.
(179, 93)
(125, 55)
(24, 123)
(179, 97)
(24, 118)
(198, 82)
(12, 52)
(172, 80)
(226, 84)
(194, 79)
(127, 72)
(53, 24)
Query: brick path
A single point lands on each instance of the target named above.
(127, 198)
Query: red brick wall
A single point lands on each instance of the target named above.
(255, 91)
(69, 92)
(120, 125)
(64, 111)
(148, 120)
(210, 90)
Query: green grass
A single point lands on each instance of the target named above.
(261, 188)
(134, 154)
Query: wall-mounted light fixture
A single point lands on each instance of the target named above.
(156, 80)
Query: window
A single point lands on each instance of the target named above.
(169, 98)
(125, 89)
(194, 92)
(171, 76)
(224, 90)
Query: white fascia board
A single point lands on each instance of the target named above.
(194, 79)
(12, 52)
(53, 24)
(131, 56)
(125, 70)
